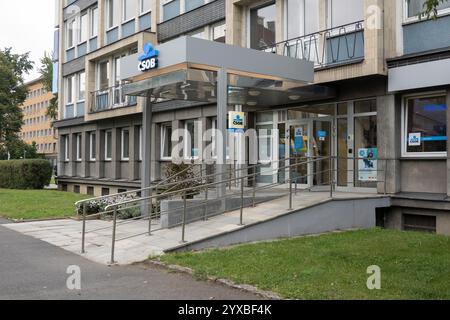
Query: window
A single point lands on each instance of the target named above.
(140, 136)
(108, 145)
(262, 26)
(192, 4)
(413, 8)
(90, 191)
(92, 146)
(219, 32)
(66, 148)
(190, 150)
(83, 28)
(70, 89)
(104, 75)
(302, 17)
(198, 34)
(105, 192)
(125, 144)
(145, 6)
(414, 222)
(129, 9)
(113, 13)
(425, 123)
(79, 146)
(81, 86)
(171, 9)
(166, 141)
(71, 35)
(345, 12)
(94, 23)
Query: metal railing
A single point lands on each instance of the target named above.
(247, 187)
(110, 98)
(325, 48)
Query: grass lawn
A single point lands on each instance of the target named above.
(37, 204)
(333, 266)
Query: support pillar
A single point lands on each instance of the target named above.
(146, 151)
(222, 110)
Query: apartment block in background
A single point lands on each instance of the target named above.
(37, 125)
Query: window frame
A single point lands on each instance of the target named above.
(406, 19)
(141, 8)
(404, 126)
(85, 27)
(350, 28)
(93, 32)
(79, 85)
(108, 16)
(164, 127)
(79, 147)
(69, 30)
(187, 154)
(141, 145)
(122, 144)
(92, 146)
(124, 20)
(66, 148)
(107, 132)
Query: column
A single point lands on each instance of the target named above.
(134, 152)
(389, 143)
(100, 154)
(84, 154)
(222, 109)
(146, 151)
(116, 156)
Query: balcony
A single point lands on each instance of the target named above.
(328, 48)
(110, 98)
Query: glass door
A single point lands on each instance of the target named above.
(298, 153)
(322, 139)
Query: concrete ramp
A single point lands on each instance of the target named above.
(329, 215)
(315, 212)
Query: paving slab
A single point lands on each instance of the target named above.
(133, 242)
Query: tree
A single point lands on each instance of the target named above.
(18, 149)
(13, 93)
(46, 71)
(430, 8)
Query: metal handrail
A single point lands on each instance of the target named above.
(115, 208)
(318, 48)
(221, 182)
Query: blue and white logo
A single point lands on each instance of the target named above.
(149, 60)
(238, 121)
(414, 139)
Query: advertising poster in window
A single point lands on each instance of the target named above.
(368, 164)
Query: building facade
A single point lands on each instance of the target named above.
(37, 127)
(379, 88)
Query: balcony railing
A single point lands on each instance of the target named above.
(339, 45)
(110, 98)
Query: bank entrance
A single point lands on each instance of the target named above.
(336, 141)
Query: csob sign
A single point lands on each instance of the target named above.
(236, 121)
(149, 60)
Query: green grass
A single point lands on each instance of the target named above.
(37, 204)
(333, 266)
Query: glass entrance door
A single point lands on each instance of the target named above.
(298, 153)
(322, 139)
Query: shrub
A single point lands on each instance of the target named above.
(128, 211)
(25, 174)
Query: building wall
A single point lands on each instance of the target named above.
(37, 125)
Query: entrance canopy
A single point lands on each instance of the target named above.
(187, 69)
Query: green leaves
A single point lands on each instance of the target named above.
(13, 93)
(46, 71)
